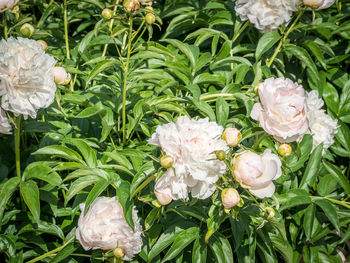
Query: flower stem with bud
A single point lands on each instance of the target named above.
(110, 27)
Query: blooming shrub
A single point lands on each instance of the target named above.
(174, 131)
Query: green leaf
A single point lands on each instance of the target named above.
(266, 42)
(87, 152)
(85, 41)
(329, 210)
(41, 172)
(7, 246)
(94, 193)
(199, 252)
(217, 249)
(64, 253)
(222, 111)
(308, 222)
(6, 192)
(204, 107)
(181, 241)
(60, 151)
(303, 56)
(293, 197)
(80, 184)
(184, 49)
(338, 174)
(101, 67)
(151, 218)
(313, 166)
(30, 194)
(123, 193)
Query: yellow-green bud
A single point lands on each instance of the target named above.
(232, 136)
(43, 44)
(107, 13)
(149, 9)
(150, 18)
(285, 149)
(221, 155)
(131, 5)
(166, 161)
(119, 252)
(27, 30)
(230, 197)
(269, 212)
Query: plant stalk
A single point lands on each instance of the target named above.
(110, 27)
(17, 145)
(47, 254)
(4, 19)
(278, 49)
(66, 28)
(126, 69)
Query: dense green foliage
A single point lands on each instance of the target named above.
(198, 59)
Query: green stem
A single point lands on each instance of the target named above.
(144, 184)
(240, 31)
(215, 96)
(110, 27)
(126, 69)
(17, 145)
(47, 254)
(269, 63)
(66, 29)
(4, 19)
(257, 142)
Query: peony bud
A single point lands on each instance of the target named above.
(166, 161)
(61, 76)
(269, 212)
(27, 30)
(119, 252)
(43, 44)
(131, 5)
(232, 136)
(319, 4)
(107, 13)
(163, 198)
(230, 197)
(149, 9)
(285, 149)
(221, 155)
(150, 18)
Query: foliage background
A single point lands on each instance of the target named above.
(198, 59)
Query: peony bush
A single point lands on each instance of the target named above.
(174, 131)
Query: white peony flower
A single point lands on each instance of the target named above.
(282, 111)
(196, 169)
(319, 4)
(61, 76)
(5, 126)
(104, 227)
(266, 15)
(26, 77)
(321, 126)
(256, 172)
(7, 4)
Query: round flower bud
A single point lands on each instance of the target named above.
(131, 5)
(319, 4)
(232, 136)
(107, 13)
(27, 30)
(119, 252)
(221, 155)
(166, 161)
(285, 149)
(230, 197)
(150, 18)
(43, 44)
(269, 212)
(61, 76)
(163, 198)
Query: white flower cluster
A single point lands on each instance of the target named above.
(192, 145)
(266, 15)
(26, 77)
(288, 114)
(104, 227)
(7, 4)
